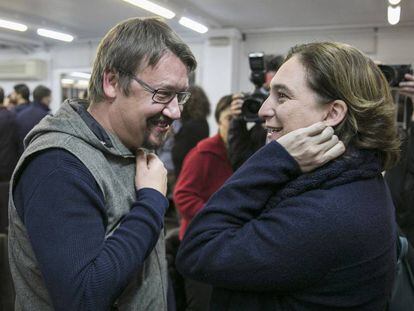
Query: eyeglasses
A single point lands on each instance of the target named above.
(164, 96)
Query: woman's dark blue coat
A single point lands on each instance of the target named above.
(275, 239)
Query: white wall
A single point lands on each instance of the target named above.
(223, 69)
(7, 85)
(388, 45)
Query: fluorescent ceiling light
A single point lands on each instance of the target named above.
(82, 83)
(394, 2)
(193, 25)
(12, 25)
(152, 7)
(67, 81)
(80, 74)
(394, 14)
(54, 35)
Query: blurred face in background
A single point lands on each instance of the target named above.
(268, 78)
(14, 98)
(224, 123)
(46, 100)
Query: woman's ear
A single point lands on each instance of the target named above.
(110, 80)
(336, 112)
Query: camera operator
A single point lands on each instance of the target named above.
(244, 140)
(400, 178)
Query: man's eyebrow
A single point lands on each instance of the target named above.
(170, 87)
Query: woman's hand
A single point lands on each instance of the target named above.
(312, 146)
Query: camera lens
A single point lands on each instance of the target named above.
(251, 106)
(389, 73)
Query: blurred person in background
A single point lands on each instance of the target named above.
(192, 127)
(8, 102)
(20, 97)
(8, 160)
(36, 111)
(205, 169)
(400, 178)
(244, 140)
(8, 141)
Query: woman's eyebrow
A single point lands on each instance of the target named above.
(281, 87)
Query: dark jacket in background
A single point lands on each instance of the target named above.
(243, 142)
(8, 143)
(20, 108)
(205, 169)
(275, 239)
(400, 180)
(27, 119)
(190, 133)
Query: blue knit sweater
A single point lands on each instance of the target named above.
(275, 239)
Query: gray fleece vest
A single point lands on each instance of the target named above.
(114, 171)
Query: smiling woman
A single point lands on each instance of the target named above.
(337, 84)
(280, 236)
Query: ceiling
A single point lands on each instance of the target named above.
(91, 19)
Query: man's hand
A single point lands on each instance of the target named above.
(312, 146)
(150, 172)
(236, 105)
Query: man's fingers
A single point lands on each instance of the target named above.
(236, 104)
(407, 90)
(141, 158)
(153, 160)
(237, 96)
(409, 77)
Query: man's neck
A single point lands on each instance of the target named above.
(99, 111)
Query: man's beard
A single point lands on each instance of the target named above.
(150, 145)
(160, 137)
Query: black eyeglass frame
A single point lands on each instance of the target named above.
(183, 95)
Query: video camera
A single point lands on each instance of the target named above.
(253, 101)
(395, 73)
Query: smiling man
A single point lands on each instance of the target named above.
(86, 214)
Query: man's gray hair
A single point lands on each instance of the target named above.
(133, 45)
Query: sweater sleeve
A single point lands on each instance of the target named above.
(62, 208)
(236, 243)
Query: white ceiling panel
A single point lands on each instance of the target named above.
(91, 19)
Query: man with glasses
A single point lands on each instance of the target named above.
(86, 214)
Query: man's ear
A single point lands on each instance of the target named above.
(336, 112)
(110, 80)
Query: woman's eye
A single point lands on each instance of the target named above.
(281, 95)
